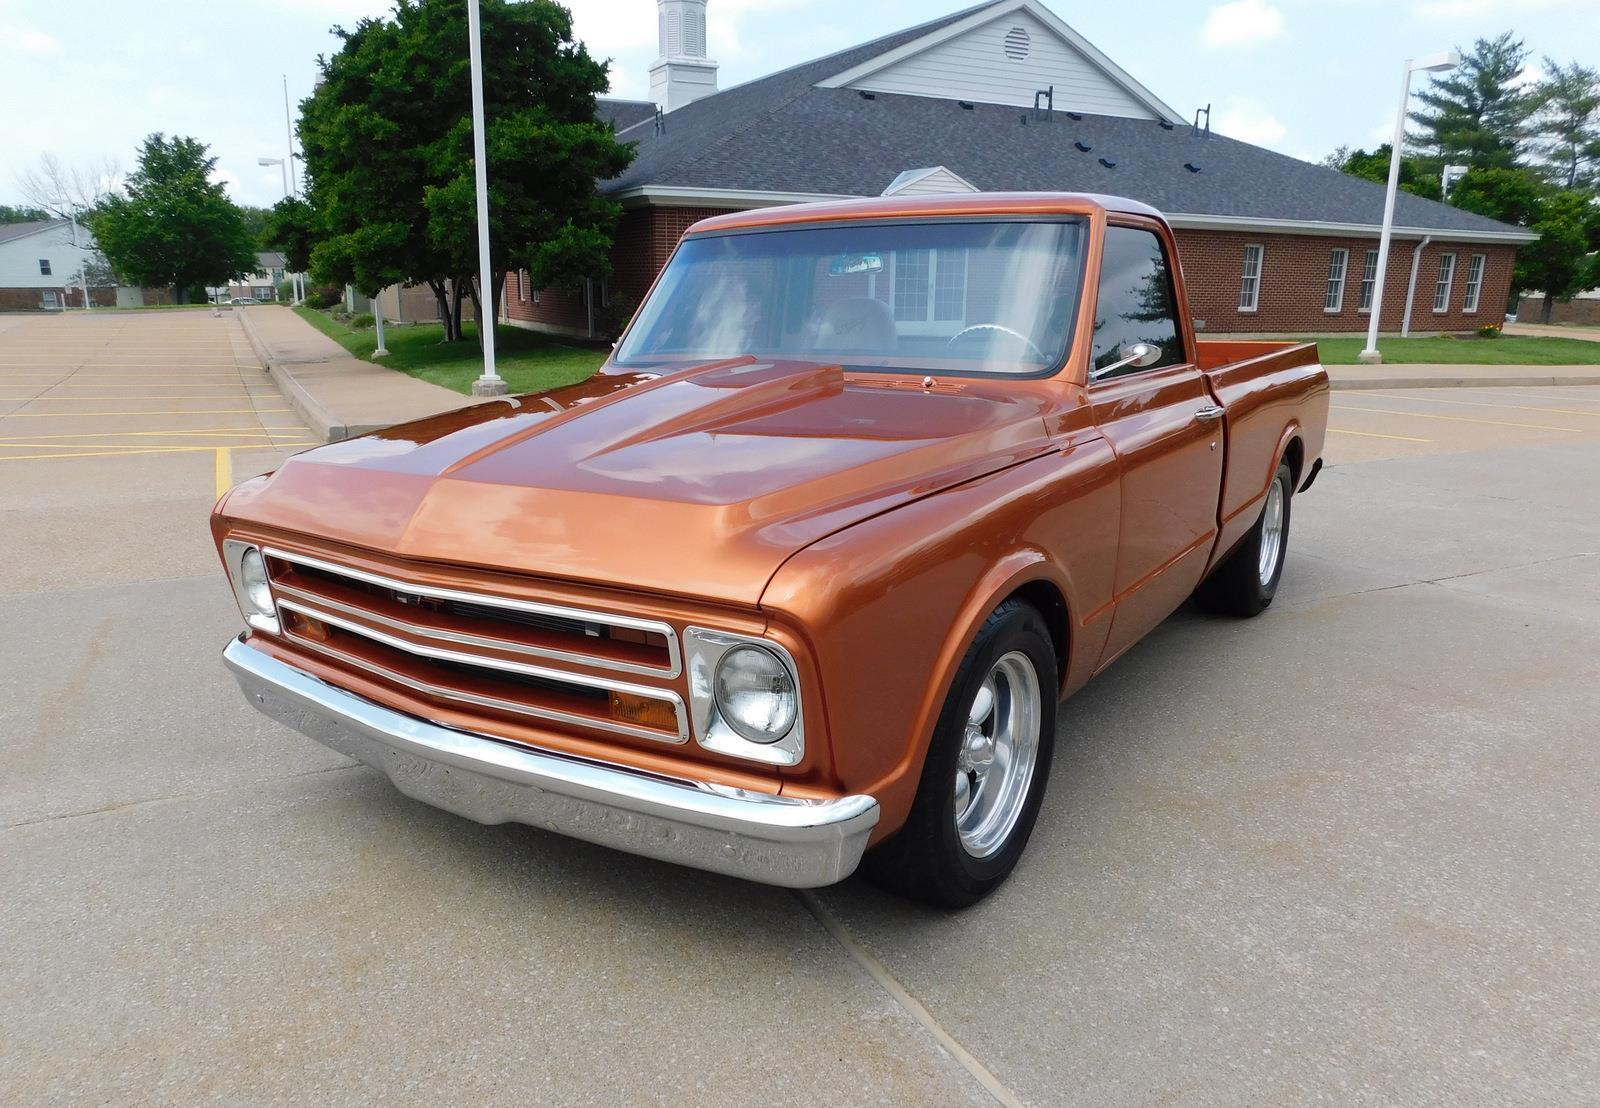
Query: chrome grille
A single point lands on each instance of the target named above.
(459, 646)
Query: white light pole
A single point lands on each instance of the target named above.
(491, 383)
(1434, 64)
(283, 164)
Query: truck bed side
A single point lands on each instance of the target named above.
(1276, 396)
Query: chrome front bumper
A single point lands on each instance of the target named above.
(777, 840)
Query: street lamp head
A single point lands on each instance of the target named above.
(1437, 63)
(269, 161)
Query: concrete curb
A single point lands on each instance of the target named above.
(307, 407)
(1352, 384)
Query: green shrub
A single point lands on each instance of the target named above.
(361, 321)
(1489, 331)
(324, 297)
(286, 291)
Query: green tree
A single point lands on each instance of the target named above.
(1560, 263)
(255, 221)
(388, 145)
(291, 227)
(21, 214)
(1567, 121)
(174, 226)
(1475, 113)
(1418, 176)
(1509, 195)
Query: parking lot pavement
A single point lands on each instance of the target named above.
(1341, 852)
(1370, 424)
(116, 432)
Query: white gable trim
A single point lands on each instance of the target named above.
(984, 16)
(932, 179)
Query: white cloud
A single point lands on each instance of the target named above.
(1249, 120)
(1241, 23)
(22, 39)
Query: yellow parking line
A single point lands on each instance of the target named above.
(205, 411)
(224, 471)
(1457, 419)
(1482, 404)
(227, 432)
(114, 451)
(102, 399)
(1375, 435)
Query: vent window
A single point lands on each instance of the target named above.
(1017, 43)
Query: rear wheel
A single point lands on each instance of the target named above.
(1247, 580)
(984, 776)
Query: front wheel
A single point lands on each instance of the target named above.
(984, 777)
(1247, 580)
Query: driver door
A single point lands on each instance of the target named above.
(1166, 430)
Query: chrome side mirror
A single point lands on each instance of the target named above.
(1138, 354)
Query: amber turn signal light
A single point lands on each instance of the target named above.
(646, 711)
(307, 627)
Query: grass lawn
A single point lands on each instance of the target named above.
(529, 361)
(1470, 350)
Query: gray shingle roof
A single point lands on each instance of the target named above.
(9, 231)
(622, 114)
(782, 134)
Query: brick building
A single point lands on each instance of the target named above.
(1007, 97)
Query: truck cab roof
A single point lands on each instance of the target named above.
(921, 207)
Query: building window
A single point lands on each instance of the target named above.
(1250, 284)
(1474, 283)
(50, 301)
(1441, 291)
(1337, 263)
(1369, 281)
(522, 285)
(44, 267)
(930, 288)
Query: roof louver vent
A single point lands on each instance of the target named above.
(1017, 43)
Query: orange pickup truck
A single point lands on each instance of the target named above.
(800, 575)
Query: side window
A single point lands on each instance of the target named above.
(1136, 301)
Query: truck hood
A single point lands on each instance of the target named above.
(699, 481)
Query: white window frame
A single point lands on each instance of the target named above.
(1475, 268)
(522, 285)
(1338, 269)
(50, 301)
(1445, 282)
(1369, 283)
(928, 324)
(1255, 261)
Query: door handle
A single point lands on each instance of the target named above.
(1207, 414)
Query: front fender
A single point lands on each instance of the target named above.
(889, 607)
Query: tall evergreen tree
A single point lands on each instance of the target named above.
(1567, 121)
(1475, 114)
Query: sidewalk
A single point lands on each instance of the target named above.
(1427, 376)
(337, 394)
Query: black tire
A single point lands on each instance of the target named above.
(926, 860)
(1237, 586)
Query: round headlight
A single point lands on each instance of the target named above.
(755, 694)
(253, 576)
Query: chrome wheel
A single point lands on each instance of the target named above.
(999, 749)
(1271, 534)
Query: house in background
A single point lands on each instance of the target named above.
(41, 264)
(1007, 97)
(263, 283)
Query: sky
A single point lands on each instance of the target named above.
(87, 80)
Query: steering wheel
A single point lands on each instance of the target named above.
(1018, 335)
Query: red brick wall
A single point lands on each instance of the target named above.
(1294, 283)
(644, 241)
(1294, 279)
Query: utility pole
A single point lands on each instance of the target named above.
(491, 383)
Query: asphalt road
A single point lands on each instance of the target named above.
(1344, 852)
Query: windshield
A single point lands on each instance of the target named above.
(983, 296)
